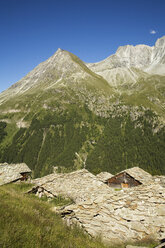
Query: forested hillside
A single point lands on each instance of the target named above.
(78, 138)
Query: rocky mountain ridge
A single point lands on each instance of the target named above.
(54, 71)
(121, 65)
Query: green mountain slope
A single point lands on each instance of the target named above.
(63, 114)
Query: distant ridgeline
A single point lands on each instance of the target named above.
(77, 138)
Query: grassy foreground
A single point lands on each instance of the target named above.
(27, 222)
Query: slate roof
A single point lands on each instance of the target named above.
(139, 174)
(104, 176)
(78, 185)
(100, 210)
(160, 180)
(46, 179)
(121, 216)
(12, 172)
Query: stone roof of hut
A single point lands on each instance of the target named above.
(139, 174)
(78, 185)
(115, 215)
(12, 172)
(46, 179)
(160, 180)
(122, 215)
(104, 176)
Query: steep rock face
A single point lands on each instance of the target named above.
(138, 56)
(147, 59)
(157, 65)
(158, 54)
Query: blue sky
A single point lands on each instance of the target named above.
(32, 30)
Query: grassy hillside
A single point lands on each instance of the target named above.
(28, 222)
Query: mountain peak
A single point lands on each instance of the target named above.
(59, 53)
(59, 68)
(59, 50)
(160, 42)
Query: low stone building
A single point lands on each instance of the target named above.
(13, 172)
(130, 178)
(116, 216)
(122, 216)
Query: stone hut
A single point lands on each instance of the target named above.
(13, 172)
(79, 185)
(116, 216)
(120, 216)
(129, 178)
